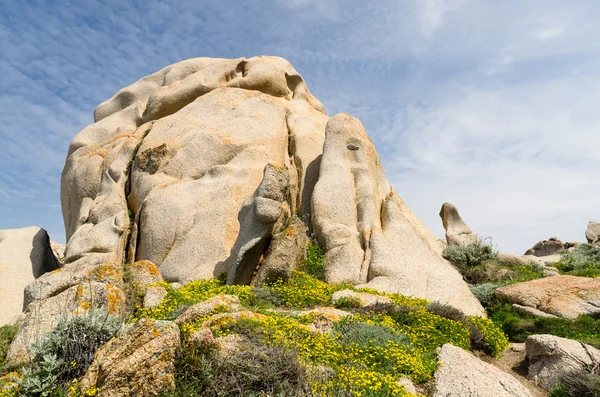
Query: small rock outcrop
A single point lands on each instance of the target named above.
(230, 303)
(369, 235)
(592, 233)
(562, 296)
(65, 292)
(285, 254)
(457, 231)
(551, 358)
(546, 247)
(364, 299)
(463, 375)
(140, 362)
(25, 254)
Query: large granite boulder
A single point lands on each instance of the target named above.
(169, 162)
(457, 231)
(140, 362)
(546, 247)
(463, 375)
(562, 296)
(369, 235)
(200, 167)
(25, 254)
(592, 232)
(552, 359)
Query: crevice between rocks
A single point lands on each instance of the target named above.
(132, 232)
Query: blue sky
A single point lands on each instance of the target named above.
(491, 105)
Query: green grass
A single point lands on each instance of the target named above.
(7, 334)
(313, 263)
(518, 326)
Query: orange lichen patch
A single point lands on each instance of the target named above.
(115, 300)
(79, 292)
(108, 272)
(146, 266)
(291, 231)
(60, 269)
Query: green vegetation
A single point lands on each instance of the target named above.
(364, 353)
(7, 334)
(313, 263)
(471, 255)
(518, 326)
(66, 352)
(253, 371)
(583, 261)
(480, 264)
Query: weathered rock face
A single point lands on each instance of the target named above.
(457, 231)
(65, 292)
(199, 167)
(546, 247)
(140, 362)
(562, 296)
(171, 159)
(25, 255)
(285, 254)
(592, 233)
(369, 235)
(552, 358)
(462, 374)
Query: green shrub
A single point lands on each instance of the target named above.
(65, 353)
(483, 333)
(486, 293)
(254, 370)
(347, 302)
(469, 256)
(486, 336)
(365, 334)
(313, 263)
(7, 334)
(584, 260)
(518, 326)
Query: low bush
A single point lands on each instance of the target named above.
(518, 326)
(255, 370)
(486, 293)
(7, 334)
(583, 261)
(469, 256)
(65, 353)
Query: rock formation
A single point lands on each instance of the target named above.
(546, 247)
(562, 296)
(462, 374)
(592, 233)
(369, 235)
(163, 172)
(25, 255)
(200, 165)
(140, 362)
(457, 231)
(550, 358)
